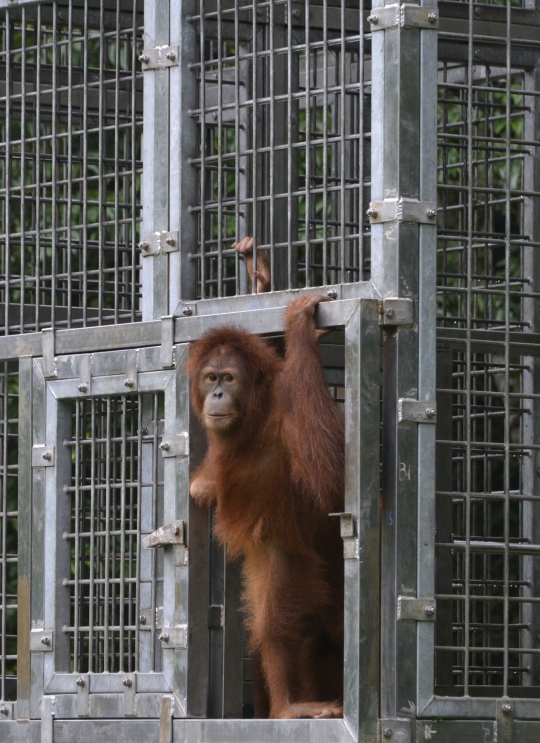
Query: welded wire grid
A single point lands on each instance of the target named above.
(284, 142)
(488, 578)
(116, 497)
(8, 529)
(70, 133)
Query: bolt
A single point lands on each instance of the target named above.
(373, 19)
(187, 311)
(296, 13)
(127, 682)
(142, 619)
(144, 432)
(143, 245)
(80, 681)
(47, 455)
(171, 56)
(538, 638)
(538, 471)
(82, 387)
(477, 11)
(170, 240)
(477, 53)
(45, 640)
(390, 312)
(430, 412)
(4, 710)
(432, 17)
(164, 637)
(176, 530)
(388, 733)
(506, 709)
(144, 58)
(129, 382)
(332, 293)
(371, 212)
(429, 611)
(432, 213)
(165, 446)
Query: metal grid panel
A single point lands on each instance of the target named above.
(488, 544)
(8, 529)
(105, 576)
(283, 148)
(70, 93)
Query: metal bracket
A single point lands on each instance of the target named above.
(216, 616)
(402, 210)
(416, 610)
(505, 721)
(85, 374)
(416, 411)
(167, 340)
(41, 641)
(394, 730)
(50, 369)
(176, 445)
(159, 58)
(347, 528)
(132, 371)
(396, 312)
(43, 456)
(172, 533)
(83, 695)
(186, 309)
(165, 720)
(158, 242)
(174, 637)
(405, 16)
(130, 694)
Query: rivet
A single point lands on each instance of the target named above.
(477, 53)
(390, 312)
(170, 240)
(373, 19)
(171, 56)
(165, 446)
(46, 455)
(127, 682)
(187, 311)
(388, 733)
(45, 640)
(506, 709)
(82, 387)
(164, 637)
(144, 58)
(129, 382)
(80, 681)
(332, 293)
(176, 530)
(429, 610)
(296, 13)
(432, 17)
(143, 245)
(430, 412)
(538, 471)
(371, 212)
(142, 619)
(4, 710)
(431, 213)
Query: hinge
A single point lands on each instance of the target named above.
(41, 641)
(43, 456)
(405, 16)
(347, 528)
(131, 380)
(167, 340)
(82, 683)
(159, 58)
(394, 730)
(402, 210)
(416, 411)
(85, 374)
(416, 610)
(505, 721)
(174, 637)
(49, 360)
(176, 445)
(158, 242)
(172, 533)
(396, 311)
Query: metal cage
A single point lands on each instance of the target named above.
(382, 154)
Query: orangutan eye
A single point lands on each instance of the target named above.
(212, 377)
(228, 378)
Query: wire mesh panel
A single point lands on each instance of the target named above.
(488, 577)
(8, 529)
(105, 580)
(70, 93)
(283, 148)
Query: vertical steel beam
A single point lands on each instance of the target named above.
(155, 148)
(362, 492)
(403, 265)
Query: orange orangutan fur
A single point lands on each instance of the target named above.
(273, 483)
